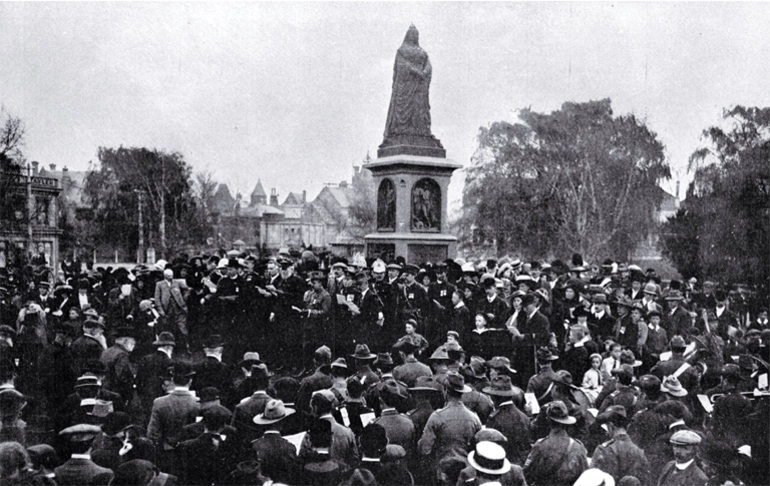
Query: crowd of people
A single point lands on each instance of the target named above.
(230, 369)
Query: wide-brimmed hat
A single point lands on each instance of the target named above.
(599, 299)
(362, 352)
(275, 410)
(393, 389)
(563, 377)
(426, 384)
(501, 363)
(11, 402)
(557, 411)
(489, 458)
(672, 386)
(545, 354)
(165, 339)
(476, 368)
(182, 369)
(439, 354)
(456, 382)
(614, 414)
(116, 422)
(500, 386)
(384, 358)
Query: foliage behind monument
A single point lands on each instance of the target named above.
(576, 180)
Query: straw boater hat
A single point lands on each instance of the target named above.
(489, 458)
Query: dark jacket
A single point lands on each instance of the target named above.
(80, 472)
(278, 457)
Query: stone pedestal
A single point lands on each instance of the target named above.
(411, 201)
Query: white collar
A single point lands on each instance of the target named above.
(182, 388)
(492, 299)
(460, 304)
(215, 356)
(274, 432)
(675, 424)
(509, 402)
(81, 456)
(167, 353)
(684, 465)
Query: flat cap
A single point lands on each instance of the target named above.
(685, 437)
(81, 432)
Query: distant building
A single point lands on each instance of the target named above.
(648, 249)
(29, 226)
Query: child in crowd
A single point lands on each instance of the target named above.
(420, 343)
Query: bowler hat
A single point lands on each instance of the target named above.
(11, 403)
(362, 352)
(528, 299)
(165, 339)
(124, 332)
(373, 440)
(116, 422)
(275, 410)
(392, 389)
(557, 411)
(674, 295)
(384, 359)
(476, 368)
(182, 369)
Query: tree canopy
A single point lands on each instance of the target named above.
(722, 230)
(576, 180)
(172, 216)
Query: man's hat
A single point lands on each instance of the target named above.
(476, 368)
(557, 411)
(384, 358)
(11, 403)
(340, 363)
(250, 358)
(674, 295)
(275, 410)
(651, 289)
(426, 384)
(648, 383)
(564, 378)
(456, 382)
(653, 313)
(501, 363)
(544, 353)
(81, 432)
(362, 352)
(165, 339)
(615, 414)
(91, 323)
(213, 341)
(528, 299)
(124, 332)
(599, 299)
(624, 369)
(412, 269)
(209, 394)
(182, 369)
(439, 354)
(393, 266)
(392, 389)
(378, 266)
(500, 386)
(116, 422)
(323, 353)
(489, 458)
(685, 437)
(677, 342)
(374, 438)
(316, 276)
(491, 435)
(672, 386)
(624, 301)
(406, 346)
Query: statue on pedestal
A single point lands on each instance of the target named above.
(408, 123)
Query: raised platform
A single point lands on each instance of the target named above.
(398, 163)
(417, 248)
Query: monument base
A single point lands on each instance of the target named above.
(416, 248)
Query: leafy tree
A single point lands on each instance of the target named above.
(575, 180)
(170, 211)
(722, 230)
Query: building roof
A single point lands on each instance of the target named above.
(293, 199)
(259, 210)
(258, 191)
(341, 194)
(72, 190)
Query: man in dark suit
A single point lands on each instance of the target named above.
(508, 418)
(320, 380)
(208, 458)
(90, 345)
(276, 455)
(170, 414)
(212, 371)
(80, 469)
(492, 304)
(677, 319)
(149, 384)
(412, 299)
(170, 301)
(287, 291)
(250, 407)
(725, 318)
(440, 305)
(120, 377)
(370, 317)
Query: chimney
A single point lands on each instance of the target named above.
(52, 167)
(677, 191)
(304, 196)
(35, 165)
(273, 197)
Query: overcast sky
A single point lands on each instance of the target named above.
(295, 94)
